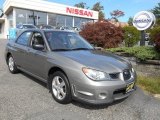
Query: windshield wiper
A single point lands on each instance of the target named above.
(82, 49)
(61, 49)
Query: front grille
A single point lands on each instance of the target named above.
(114, 75)
(126, 74)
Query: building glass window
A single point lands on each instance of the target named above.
(10, 19)
(60, 20)
(40, 18)
(69, 21)
(10, 16)
(30, 17)
(21, 16)
(52, 19)
(64, 20)
(80, 22)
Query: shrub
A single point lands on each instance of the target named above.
(155, 37)
(131, 36)
(142, 53)
(103, 34)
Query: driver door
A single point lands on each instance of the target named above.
(37, 58)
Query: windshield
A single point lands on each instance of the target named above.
(59, 40)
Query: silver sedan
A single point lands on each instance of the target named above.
(70, 66)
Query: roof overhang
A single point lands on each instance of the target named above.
(50, 7)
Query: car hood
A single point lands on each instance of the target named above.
(103, 61)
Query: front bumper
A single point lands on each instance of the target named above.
(102, 92)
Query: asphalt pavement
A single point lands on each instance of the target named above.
(23, 97)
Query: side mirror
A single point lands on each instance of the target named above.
(38, 47)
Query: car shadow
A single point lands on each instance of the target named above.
(95, 107)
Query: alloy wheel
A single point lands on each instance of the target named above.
(59, 88)
(11, 64)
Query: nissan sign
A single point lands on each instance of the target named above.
(77, 11)
(144, 20)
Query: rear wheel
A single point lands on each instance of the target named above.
(60, 88)
(11, 65)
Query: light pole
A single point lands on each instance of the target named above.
(142, 41)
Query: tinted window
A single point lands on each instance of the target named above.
(23, 39)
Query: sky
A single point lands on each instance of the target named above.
(129, 7)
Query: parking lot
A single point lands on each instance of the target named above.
(24, 98)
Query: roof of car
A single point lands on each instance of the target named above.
(49, 30)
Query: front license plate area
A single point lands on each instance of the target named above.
(129, 87)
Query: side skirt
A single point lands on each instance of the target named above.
(31, 74)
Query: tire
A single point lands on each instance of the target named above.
(11, 65)
(60, 87)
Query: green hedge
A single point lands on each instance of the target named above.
(142, 53)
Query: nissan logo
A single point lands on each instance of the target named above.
(143, 20)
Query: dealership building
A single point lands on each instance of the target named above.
(40, 12)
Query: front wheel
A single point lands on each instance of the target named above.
(60, 88)
(11, 65)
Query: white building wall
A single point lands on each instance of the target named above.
(45, 6)
(2, 31)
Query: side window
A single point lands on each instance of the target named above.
(24, 38)
(37, 39)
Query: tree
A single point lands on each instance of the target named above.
(98, 7)
(81, 5)
(101, 15)
(155, 31)
(156, 10)
(155, 36)
(131, 36)
(130, 21)
(103, 34)
(116, 14)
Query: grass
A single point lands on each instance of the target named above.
(142, 53)
(150, 84)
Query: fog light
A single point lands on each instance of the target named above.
(102, 95)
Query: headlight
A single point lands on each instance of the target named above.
(95, 74)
